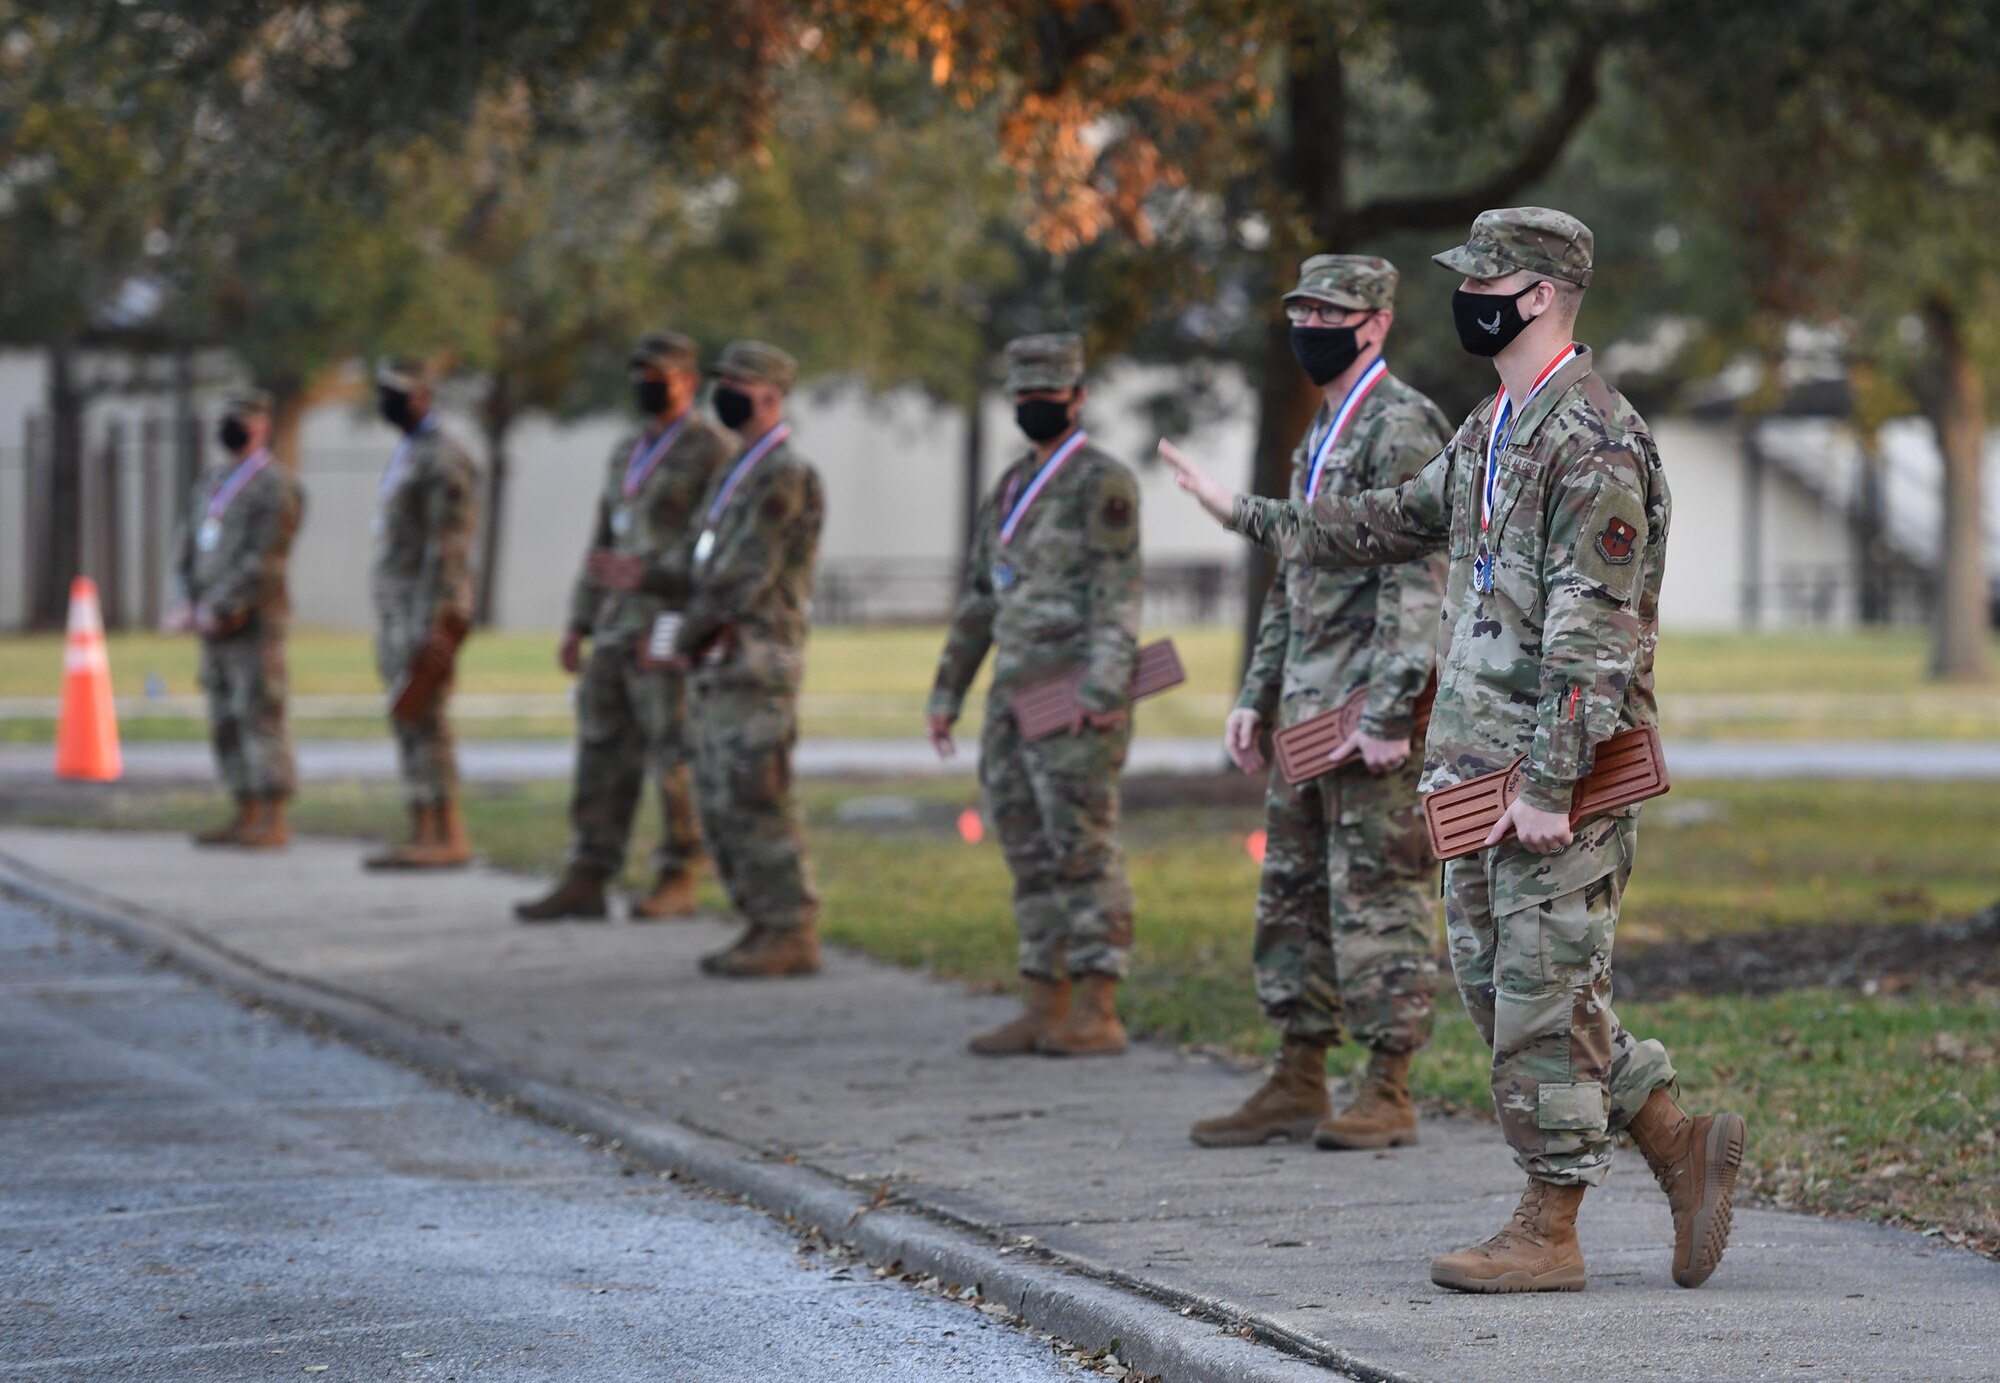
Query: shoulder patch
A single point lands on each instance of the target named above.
(1615, 542)
(1114, 510)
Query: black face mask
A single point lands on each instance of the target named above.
(1487, 322)
(1323, 352)
(732, 406)
(396, 409)
(233, 434)
(1043, 420)
(650, 396)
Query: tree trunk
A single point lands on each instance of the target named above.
(62, 544)
(972, 467)
(1958, 413)
(496, 416)
(1310, 170)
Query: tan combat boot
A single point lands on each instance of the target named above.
(1695, 1160)
(397, 856)
(231, 831)
(1044, 1008)
(1535, 1251)
(1092, 1028)
(444, 845)
(579, 895)
(1288, 1105)
(767, 953)
(672, 896)
(1382, 1114)
(268, 829)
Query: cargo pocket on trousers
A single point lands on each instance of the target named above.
(1580, 1108)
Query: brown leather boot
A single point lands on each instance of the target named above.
(1535, 1251)
(580, 894)
(397, 856)
(1382, 1114)
(1044, 1008)
(1695, 1160)
(1288, 1105)
(231, 831)
(1092, 1028)
(672, 896)
(268, 829)
(767, 953)
(445, 845)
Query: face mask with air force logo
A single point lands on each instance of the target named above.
(1486, 322)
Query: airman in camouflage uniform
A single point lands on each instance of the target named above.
(1346, 912)
(747, 581)
(427, 509)
(1053, 584)
(1556, 548)
(632, 719)
(230, 556)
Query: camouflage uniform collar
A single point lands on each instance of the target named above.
(1545, 403)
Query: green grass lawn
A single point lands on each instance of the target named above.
(872, 682)
(1887, 1106)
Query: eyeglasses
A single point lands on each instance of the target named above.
(1304, 312)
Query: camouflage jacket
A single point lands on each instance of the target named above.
(660, 519)
(1068, 591)
(242, 573)
(1326, 633)
(749, 601)
(1558, 656)
(426, 513)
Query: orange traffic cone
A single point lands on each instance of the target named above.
(87, 734)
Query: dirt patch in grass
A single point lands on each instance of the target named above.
(1958, 955)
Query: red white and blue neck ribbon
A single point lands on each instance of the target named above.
(225, 493)
(1500, 431)
(757, 452)
(641, 463)
(1349, 406)
(394, 474)
(1041, 480)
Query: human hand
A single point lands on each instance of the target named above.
(569, 653)
(616, 570)
(1379, 756)
(1211, 493)
(1239, 740)
(178, 620)
(1542, 833)
(1100, 720)
(938, 727)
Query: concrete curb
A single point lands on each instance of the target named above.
(1183, 1339)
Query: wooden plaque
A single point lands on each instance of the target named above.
(1049, 707)
(1302, 749)
(1629, 767)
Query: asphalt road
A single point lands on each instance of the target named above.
(538, 759)
(192, 1190)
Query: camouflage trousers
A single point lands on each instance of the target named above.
(244, 676)
(1054, 804)
(1531, 943)
(743, 738)
(426, 756)
(1346, 913)
(631, 724)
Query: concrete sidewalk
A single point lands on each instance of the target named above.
(858, 1081)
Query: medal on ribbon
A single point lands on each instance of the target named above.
(1004, 575)
(209, 536)
(621, 521)
(1499, 434)
(704, 546)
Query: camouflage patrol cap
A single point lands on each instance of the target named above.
(1048, 360)
(1354, 281)
(404, 373)
(246, 403)
(757, 360)
(669, 350)
(1524, 237)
